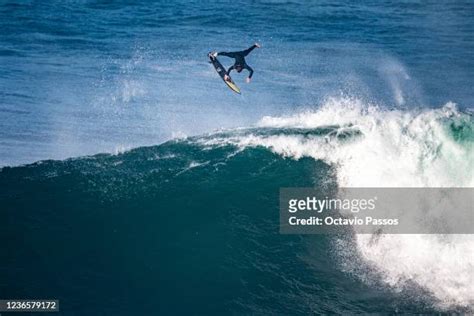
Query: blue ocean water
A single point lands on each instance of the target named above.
(134, 182)
(82, 77)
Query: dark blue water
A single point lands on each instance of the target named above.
(81, 77)
(343, 95)
(177, 229)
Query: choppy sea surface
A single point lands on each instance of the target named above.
(135, 183)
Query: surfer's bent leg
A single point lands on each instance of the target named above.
(248, 50)
(228, 54)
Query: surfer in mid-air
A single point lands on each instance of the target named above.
(240, 63)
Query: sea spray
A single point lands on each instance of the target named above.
(419, 148)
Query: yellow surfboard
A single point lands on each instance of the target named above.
(222, 72)
(232, 86)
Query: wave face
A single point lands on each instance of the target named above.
(370, 147)
(173, 224)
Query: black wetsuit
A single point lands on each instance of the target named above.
(239, 59)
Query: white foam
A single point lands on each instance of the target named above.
(396, 149)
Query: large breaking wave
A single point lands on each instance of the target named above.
(373, 147)
(345, 143)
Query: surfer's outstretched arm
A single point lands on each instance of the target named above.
(250, 71)
(230, 69)
(249, 78)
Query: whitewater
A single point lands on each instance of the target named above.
(138, 218)
(388, 148)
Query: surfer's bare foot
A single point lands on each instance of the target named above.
(226, 77)
(248, 80)
(258, 45)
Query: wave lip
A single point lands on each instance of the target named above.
(372, 147)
